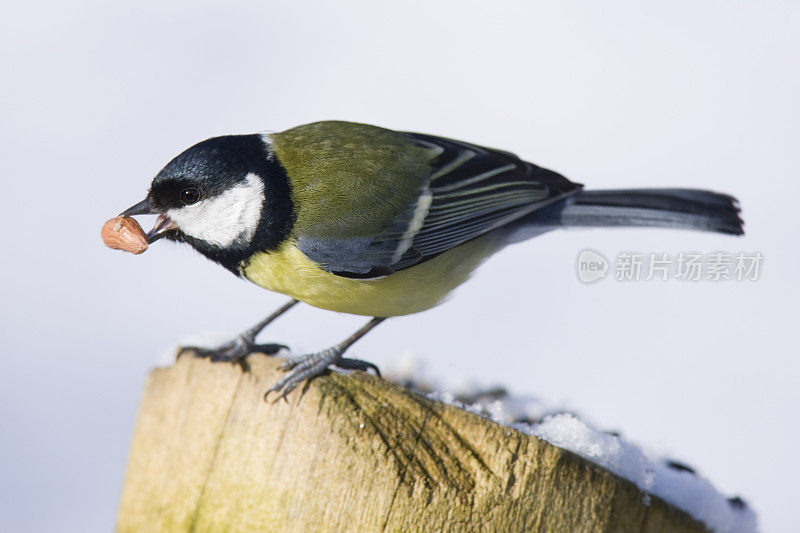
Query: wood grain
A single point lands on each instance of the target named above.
(353, 453)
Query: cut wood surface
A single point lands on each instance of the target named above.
(353, 453)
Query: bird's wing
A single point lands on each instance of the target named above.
(470, 191)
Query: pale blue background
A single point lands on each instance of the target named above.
(95, 98)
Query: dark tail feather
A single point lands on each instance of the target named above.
(669, 208)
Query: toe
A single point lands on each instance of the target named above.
(290, 363)
(196, 351)
(357, 364)
(282, 387)
(269, 349)
(300, 369)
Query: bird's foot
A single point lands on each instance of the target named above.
(233, 351)
(309, 366)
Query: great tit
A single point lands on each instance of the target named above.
(365, 220)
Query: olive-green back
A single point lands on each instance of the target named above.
(350, 180)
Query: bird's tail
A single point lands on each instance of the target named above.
(670, 208)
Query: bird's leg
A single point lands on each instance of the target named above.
(311, 365)
(244, 344)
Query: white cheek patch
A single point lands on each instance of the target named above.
(232, 216)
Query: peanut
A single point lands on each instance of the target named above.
(124, 233)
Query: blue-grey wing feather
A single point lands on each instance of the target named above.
(471, 191)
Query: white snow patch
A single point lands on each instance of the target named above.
(653, 474)
(609, 451)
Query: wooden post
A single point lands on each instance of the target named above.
(353, 453)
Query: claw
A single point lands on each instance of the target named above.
(271, 348)
(357, 364)
(302, 368)
(309, 366)
(182, 351)
(234, 351)
(283, 387)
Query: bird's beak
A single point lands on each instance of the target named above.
(142, 208)
(164, 224)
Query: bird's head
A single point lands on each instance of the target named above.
(227, 197)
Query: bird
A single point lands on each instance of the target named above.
(370, 221)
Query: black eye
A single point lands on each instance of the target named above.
(190, 196)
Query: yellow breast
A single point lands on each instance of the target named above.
(417, 288)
